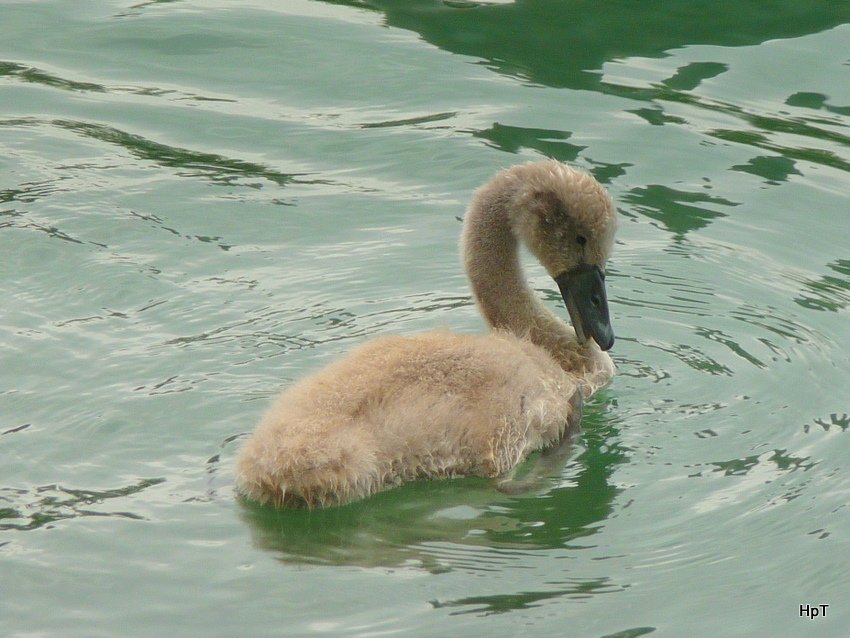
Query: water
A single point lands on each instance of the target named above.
(202, 201)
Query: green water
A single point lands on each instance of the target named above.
(201, 201)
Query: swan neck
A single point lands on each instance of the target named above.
(491, 258)
(492, 262)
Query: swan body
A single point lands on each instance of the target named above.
(439, 404)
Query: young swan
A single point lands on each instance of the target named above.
(440, 404)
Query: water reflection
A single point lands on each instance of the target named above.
(816, 101)
(501, 603)
(777, 322)
(159, 223)
(519, 39)
(411, 121)
(188, 162)
(458, 523)
(259, 331)
(691, 356)
(213, 166)
(25, 510)
(765, 131)
(677, 210)
(829, 292)
(690, 76)
(780, 458)
(721, 337)
(37, 76)
(136, 9)
(29, 192)
(840, 421)
(34, 75)
(512, 139)
(774, 169)
(765, 142)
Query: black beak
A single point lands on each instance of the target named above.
(583, 290)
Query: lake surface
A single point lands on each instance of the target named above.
(201, 201)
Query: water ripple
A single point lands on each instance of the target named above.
(216, 167)
(42, 507)
(829, 292)
(579, 588)
(37, 76)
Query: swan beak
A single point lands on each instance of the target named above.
(583, 290)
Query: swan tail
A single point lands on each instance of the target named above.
(285, 470)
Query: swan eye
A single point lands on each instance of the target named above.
(581, 240)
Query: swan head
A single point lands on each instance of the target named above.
(568, 220)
